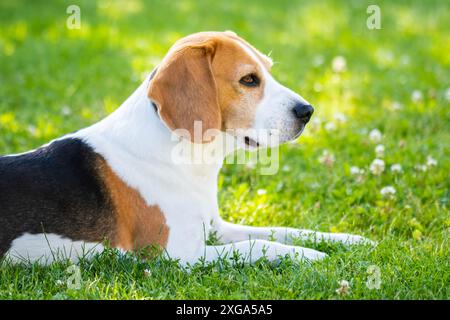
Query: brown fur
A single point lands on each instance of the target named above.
(238, 103)
(199, 80)
(184, 89)
(138, 224)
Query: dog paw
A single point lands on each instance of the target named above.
(309, 254)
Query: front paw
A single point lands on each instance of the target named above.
(351, 239)
(309, 254)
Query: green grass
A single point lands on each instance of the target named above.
(54, 80)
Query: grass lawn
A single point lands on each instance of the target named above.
(54, 80)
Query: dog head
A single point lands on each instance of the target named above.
(221, 80)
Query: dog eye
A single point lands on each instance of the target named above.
(250, 80)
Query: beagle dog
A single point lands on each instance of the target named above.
(116, 182)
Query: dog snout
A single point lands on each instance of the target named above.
(303, 111)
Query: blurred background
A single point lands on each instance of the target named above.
(48, 70)
(378, 94)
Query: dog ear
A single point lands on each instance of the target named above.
(184, 89)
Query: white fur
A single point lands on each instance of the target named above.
(252, 250)
(46, 248)
(275, 111)
(138, 147)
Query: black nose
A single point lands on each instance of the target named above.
(303, 111)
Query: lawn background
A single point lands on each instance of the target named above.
(54, 80)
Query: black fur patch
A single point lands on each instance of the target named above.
(55, 189)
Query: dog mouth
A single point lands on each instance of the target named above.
(249, 142)
(299, 132)
(252, 143)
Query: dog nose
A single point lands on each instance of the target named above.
(303, 111)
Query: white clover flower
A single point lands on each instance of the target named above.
(396, 105)
(388, 192)
(344, 283)
(379, 151)
(314, 185)
(318, 60)
(421, 167)
(326, 158)
(66, 111)
(356, 170)
(375, 135)
(416, 96)
(344, 288)
(358, 173)
(250, 165)
(315, 123)
(377, 167)
(431, 162)
(447, 95)
(261, 192)
(147, 273)
(330, 126)
(396, 168)
(339, 64)
(340, 117)
(286, 168)
(32, 130)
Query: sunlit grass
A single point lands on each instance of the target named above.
(55, 80)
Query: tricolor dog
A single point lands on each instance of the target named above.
(115, 182)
